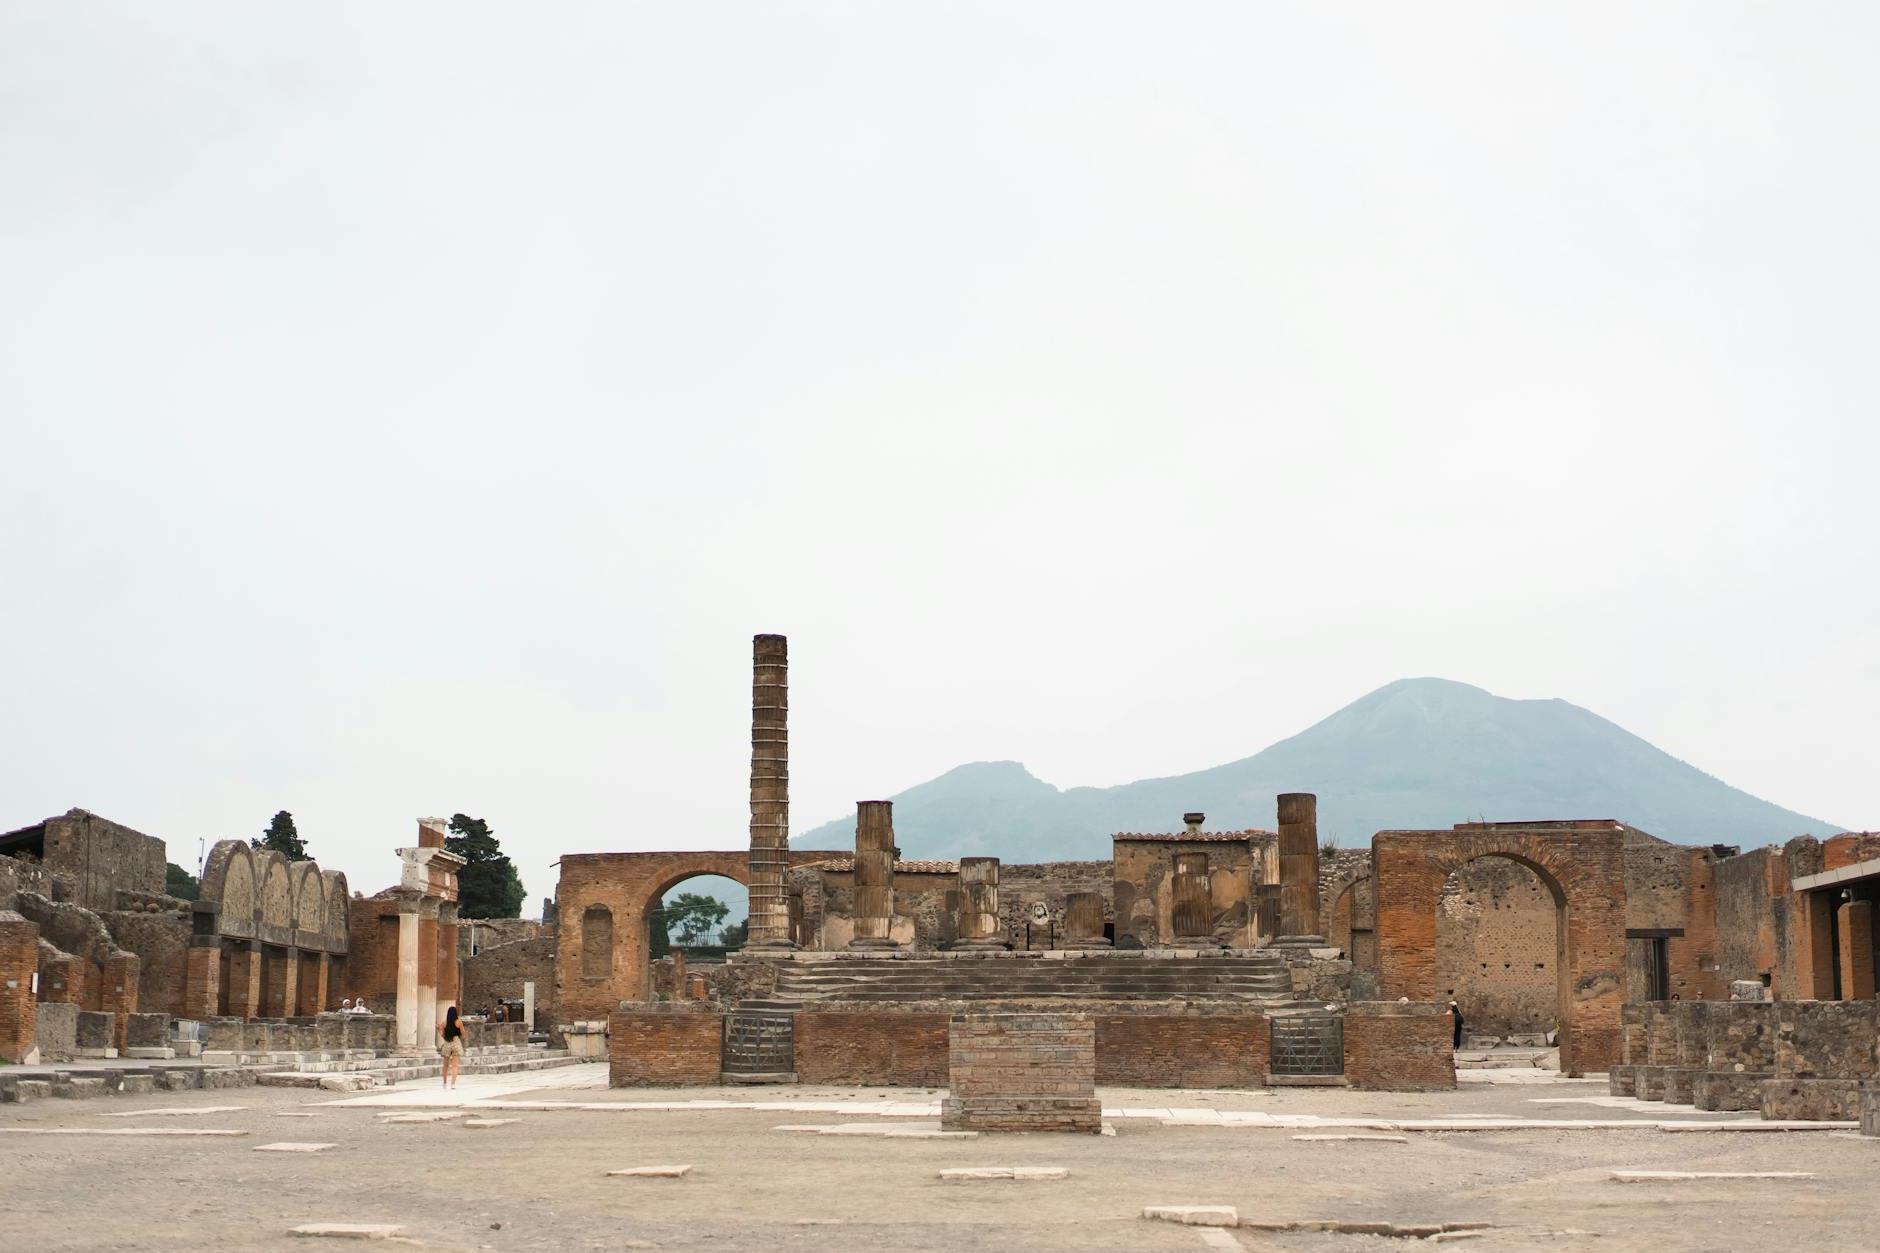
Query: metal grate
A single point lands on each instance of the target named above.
(759, 1044)
(1307, 1044)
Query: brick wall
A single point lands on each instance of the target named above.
(659, 1047)
(1182, 1050)
(872, 1047)
(1496, 947)
(1021, 1072)
(1399, 1048)
(19, 963)
(117, 992)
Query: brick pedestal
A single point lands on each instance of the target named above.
(1022, 1072)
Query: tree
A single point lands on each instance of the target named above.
(488, 885)
(692, 916)
(283, 838)
(736, 934)
(179, 883)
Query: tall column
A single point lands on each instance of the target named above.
(202, 963)
(874, 874)
(314, 984)
(1299, 870)
(427, 975)
(407, 1009)
(244, 978)
(284, 983)
(769, 925)
(1083, 920)
(449, 973)
(1193, 902)
(981, 928)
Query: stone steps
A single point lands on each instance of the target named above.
(80, 1082)
(1238, 978)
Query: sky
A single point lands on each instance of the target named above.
(415, 409)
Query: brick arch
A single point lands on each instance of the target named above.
(627, 885)
(309, 892)
(1583, 866)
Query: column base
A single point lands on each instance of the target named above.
(771, 946)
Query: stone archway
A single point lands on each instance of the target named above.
(626, 886)
(1581, 864)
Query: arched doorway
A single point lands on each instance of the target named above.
(701, 918)
(1499, 949)
(1582, 866)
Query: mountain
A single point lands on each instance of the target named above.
(1417, 753)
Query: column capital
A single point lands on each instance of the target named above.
(447, 913)
(407, 900)
(427, 907)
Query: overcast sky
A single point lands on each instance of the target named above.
(408, 409)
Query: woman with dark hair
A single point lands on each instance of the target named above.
(451, 1032)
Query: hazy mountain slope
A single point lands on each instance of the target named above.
(1415, 753)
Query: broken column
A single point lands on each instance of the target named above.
(769, 925)
(981, 928)
(1083, 920)
(1299, 870)
(874, 875)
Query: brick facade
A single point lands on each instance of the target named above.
(19, 963)
(880, 1047)
(659, 1047)
(1395, 1047)
(1181, 1050)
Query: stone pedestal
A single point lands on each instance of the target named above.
(874, 875)
(1083, 921)
(1299, 871)
(980, 927)
(1022, 1072)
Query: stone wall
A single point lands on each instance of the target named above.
(926, 905)
(1395, 1047)
(499, 972)
(18, 875)
(98, 857)
(881, 1047)
(478, 934)
(1142, 904)
(1497, 948)
(660, 1046)
(161, 942)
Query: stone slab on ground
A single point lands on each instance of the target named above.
(292, 1146)
(653, 1172)
(1684, 1176)
(439, 1116)
(972, 1174)
(175, 1111)
(347, 1231)
(118, 1131)
(1195, 1215)
(1380, 1139)
(483, 1124)
(884, 1133)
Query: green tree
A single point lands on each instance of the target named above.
(735, 935)
(658, 942)
(179, 883)
(691, 916)
(282, 838)
(488, 885)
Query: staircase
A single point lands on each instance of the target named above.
(1255, 977)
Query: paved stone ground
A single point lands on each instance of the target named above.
(544, 1177)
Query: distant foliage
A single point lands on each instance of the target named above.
(179, 883)
(488, 885)
(736, 934)
(690, 916)
(282, 838)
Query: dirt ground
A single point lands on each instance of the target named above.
(540, 1183)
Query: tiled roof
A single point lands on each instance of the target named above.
(1191, 837)
(900, 867)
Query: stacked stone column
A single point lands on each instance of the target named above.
(981, 928)
(1193, 902)
(1299, 870)
(769, 925)
(874, 875)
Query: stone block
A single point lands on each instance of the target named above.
(79, 1088)
(146, 1031)
(1730, 1090)
(96, 1032)
(1680, 1084)
(1195, 1215)
(653, 1172)
(347, 1231)
(138, 1084)
(1649, 1083)
(1622, 1081)
(1823, 1099)
(1870, 1113)
(292, 1146)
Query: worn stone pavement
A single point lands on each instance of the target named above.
(542, 1182)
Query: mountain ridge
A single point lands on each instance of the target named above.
(1415, 753)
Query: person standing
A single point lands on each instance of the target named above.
(1455, 1012)
(451, 1033)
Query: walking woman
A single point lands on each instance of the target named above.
(451, 1032)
